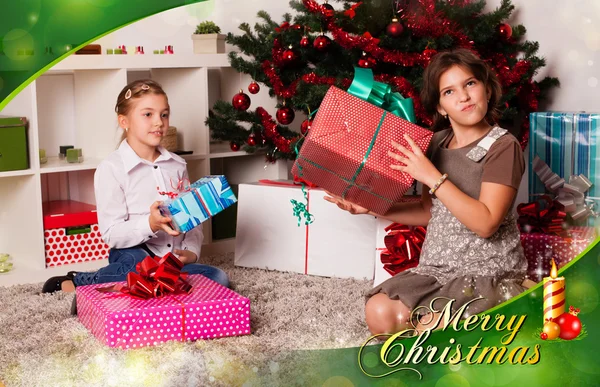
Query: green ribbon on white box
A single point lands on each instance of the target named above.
(5, 265)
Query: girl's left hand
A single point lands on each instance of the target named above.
(414, 162)
(185, 256)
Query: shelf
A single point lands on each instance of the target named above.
(139, 62)
(22, 172)
(193, 157)
(54, 164)
(223, 150)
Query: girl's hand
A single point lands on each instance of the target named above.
(160, 222)
(414, 162)
(186, 256)
(352, 208)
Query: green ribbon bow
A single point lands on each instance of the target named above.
(380, 94)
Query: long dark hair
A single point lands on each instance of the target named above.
(440, 63)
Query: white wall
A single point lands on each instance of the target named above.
(568, 33)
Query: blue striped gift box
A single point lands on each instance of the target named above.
(207, 197)
(568, 143)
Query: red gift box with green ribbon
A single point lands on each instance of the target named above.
(346, 150)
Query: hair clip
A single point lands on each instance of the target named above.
(128, 94)
(145, 87)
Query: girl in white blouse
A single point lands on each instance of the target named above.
(129, 186)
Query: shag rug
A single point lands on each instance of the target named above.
(41, 344)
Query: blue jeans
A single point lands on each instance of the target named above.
(123, 261)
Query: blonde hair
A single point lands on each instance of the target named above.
(134, 91)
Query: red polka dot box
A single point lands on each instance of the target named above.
(540, 249)
(71, 233)
(118, 320)
(346, 151)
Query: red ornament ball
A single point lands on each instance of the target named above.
(570, 325)
(297, 27)
(428, 53)
(253, 88)
(304, 42)
(329, 10)
(251, 140)
(367, 61)
(289, 56)
(241, 101)
(394, 29)
(234, 146)
(321, 43)
(305, 126)
(285, 115)
(544, 336)
(504, 30)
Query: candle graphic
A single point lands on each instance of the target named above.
(554, 294)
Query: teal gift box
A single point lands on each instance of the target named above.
(202, 200)
(569, 144)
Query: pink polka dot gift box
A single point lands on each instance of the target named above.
(209, 311)
(346, 151)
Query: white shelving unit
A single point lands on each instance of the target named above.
(73, 104)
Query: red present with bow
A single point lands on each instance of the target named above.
(542, 215)
(402, 247)
(541, 248)
(397, 247)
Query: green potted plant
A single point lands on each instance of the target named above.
(208, 39)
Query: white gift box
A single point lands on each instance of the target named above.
(336, 244)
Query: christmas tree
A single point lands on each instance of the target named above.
(300, 58)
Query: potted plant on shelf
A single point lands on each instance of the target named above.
(207, 39)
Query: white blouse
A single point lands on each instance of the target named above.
(126, 186)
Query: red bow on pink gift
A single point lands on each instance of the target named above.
(403, 247)
(543, 215)
(154, 278)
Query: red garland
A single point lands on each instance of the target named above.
(421, 26)
(271, 132)
(278, 86)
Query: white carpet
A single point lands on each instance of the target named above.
(41, 344)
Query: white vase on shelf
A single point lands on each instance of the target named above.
(209, 43)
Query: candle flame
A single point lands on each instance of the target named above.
(553, 271)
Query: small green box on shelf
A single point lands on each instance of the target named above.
(74, 155)
(14, 153)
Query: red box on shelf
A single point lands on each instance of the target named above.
(71, 233)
